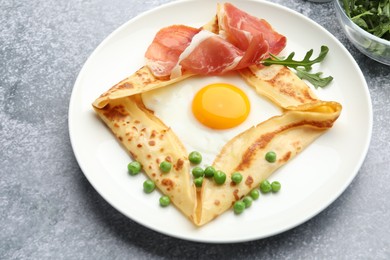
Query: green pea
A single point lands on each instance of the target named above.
(236, 177)
(164, 201)
(219, 177)
(165, 166)
(195, 157)
(149, 186)
(275, 185)
(239, 207)
(255, 194)
(247, 201)
(198, 181)
(197, 172)
(134, 168)
(265, 186)
(209, 171)
(270, 156)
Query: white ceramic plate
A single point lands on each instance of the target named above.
(311, 181)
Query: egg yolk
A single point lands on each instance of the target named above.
(220, 106)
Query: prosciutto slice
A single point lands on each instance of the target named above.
(242, 41)
(163, 54)
(240, 28)
(214, 55)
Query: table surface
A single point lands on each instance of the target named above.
(48, 209)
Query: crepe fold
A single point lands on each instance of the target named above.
(141, 81)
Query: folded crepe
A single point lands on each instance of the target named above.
(286, 135)
(148, 140)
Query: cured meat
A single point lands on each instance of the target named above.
(214, 55)
(162, 55)
(205, 53)
(242, 40)
(240, 28)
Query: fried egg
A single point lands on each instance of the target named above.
(206, 112)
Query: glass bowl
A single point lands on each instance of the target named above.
(374, 47)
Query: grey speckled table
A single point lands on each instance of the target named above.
(48, 210)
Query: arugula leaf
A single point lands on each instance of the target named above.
(304, 66)
(314, 78)
(290, 62)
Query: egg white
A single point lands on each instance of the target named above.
(173, 105)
